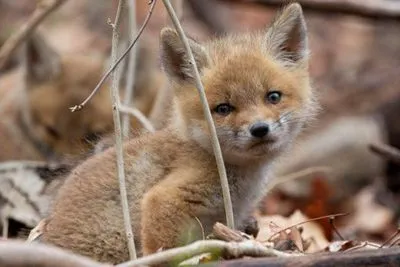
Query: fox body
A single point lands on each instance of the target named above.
(36, 122)
(258, 89)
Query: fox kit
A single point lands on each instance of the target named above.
(36, 122)
(259, 92)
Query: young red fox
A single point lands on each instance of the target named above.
(259, 92)
(36, 122)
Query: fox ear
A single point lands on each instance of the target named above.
(287, 37)
(41, 62)
(175, 61)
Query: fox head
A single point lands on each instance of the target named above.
(53, 84)
(257, 86)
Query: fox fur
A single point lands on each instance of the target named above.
(172, 180)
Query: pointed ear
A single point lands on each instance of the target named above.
(287, 37)
(174, 59)
(41, 62)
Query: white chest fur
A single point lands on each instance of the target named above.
(247, 187)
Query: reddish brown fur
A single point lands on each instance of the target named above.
(172, 179)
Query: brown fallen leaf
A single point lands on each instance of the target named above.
(311, 237)
(295, 235)
(369, 216)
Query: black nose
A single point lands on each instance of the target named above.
(259, 129)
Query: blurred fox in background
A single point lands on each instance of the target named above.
(36, 122)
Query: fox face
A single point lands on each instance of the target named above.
(257, 86)
(53, 84)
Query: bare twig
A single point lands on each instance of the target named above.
(44, 8)
(138, 115)
(131, 71)
(207, 114)
(390, 238)
(21, 254)
(368, 8)
(114, 66)
(118, 134)
(396, 241)
(231, 249)
(366, 257)
(5, 226)
(332, 223)
(177, 5)
(222, 232)
(388, 152)
(307, 221)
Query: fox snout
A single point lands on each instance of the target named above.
(259, 129)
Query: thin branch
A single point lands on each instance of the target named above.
(131, 71)
(177, 5)
(207, 114)
(44, 8)
(334, 228)
(118, 134)
(114, 66)
(222, 232)
(390, 238)
(307, 221)
(246, 248)
(388, 152)
(366, 257)
(5, 226)
(138, 115)
(21, 254)
(368, 8)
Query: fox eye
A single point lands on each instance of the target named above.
(92, 137)
(274, 97)
(224, 109)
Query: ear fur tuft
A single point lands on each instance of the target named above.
(175, 61)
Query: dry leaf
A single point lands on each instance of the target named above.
(269, 226)
(296, 237)
(370, 217)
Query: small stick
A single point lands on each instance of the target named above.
(224, 233)
(118, 134)
(390, 238)
(207, 114)
(5, 225)
(131, 71)
(44, 8)
(15, 253)
(394, 242)
(138, 115)
(114, 66)
(386, 151)
(177, 5)
(307, 221)
(246, 248)
(332, 223)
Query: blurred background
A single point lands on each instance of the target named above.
(355, 66)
